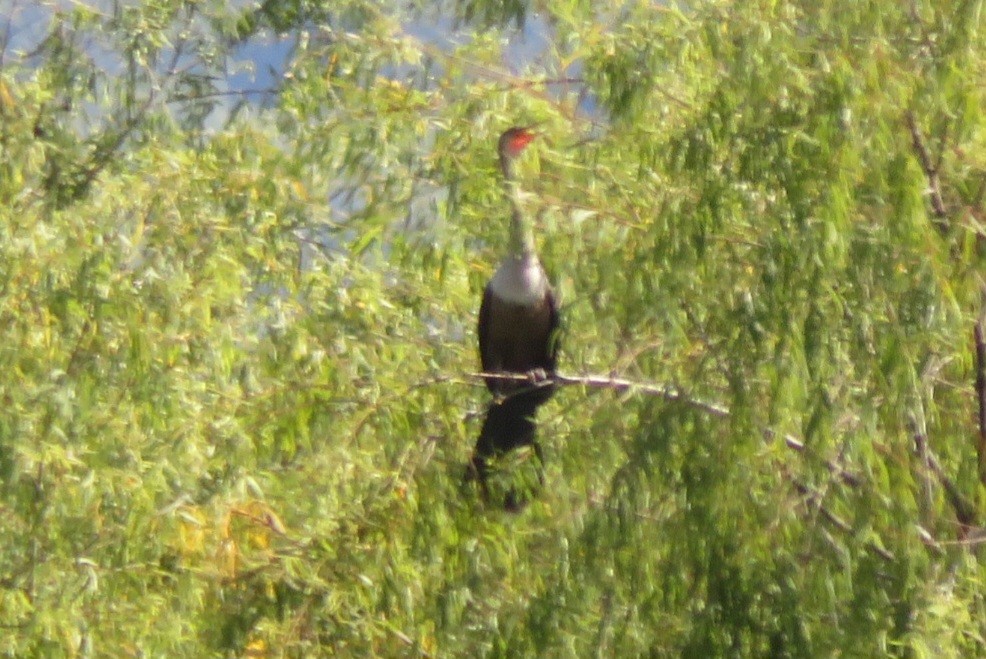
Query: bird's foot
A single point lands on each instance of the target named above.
(538, 376)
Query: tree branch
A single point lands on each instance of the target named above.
(965, 512)
(815, 499)
(667, 392)
(980, 341)
(930, 171)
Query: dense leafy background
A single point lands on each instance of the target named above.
(237, 337)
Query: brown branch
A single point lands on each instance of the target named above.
(926, 40)
(816, 500)
(930, 171)
(667, 392)
(980, 341)
(930, 541)
(837, 470)
(942, 143)
(664, 391)
(965, 512)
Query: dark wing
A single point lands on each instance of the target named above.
(554, 335)
(517, 339)
(485, 358)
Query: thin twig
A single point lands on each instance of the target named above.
(926, 40)
(942, 142)
(976, 537)
(980, 341)
(965, 512)
(607, 382)
(816, 500)
(837, 470)
(260, 91)
(930, 172)
(667, 392)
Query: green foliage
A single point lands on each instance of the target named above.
(237, 339)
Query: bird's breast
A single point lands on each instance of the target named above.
(520, 281)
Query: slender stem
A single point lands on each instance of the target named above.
(980, 385)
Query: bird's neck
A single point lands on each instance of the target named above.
(521, 241)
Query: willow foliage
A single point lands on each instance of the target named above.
(238, 329)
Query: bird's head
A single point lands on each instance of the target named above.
(514, 140)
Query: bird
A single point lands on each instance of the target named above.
(518, 329)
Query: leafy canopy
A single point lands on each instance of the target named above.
(238, 329)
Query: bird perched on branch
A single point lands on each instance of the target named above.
(518, 323)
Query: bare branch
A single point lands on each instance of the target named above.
(665, 391)
(930, 172)
(980, 341)
(608, 382)
(965, 512)
(834, 467)
(816, 500)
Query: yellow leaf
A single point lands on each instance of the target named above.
(226, 558)
(7, 103)
(256, 648)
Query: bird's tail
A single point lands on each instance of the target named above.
(509, 425)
